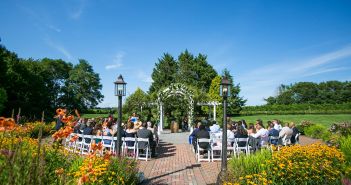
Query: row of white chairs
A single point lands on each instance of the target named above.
(83, 143)
(214, 151)
(235, 147)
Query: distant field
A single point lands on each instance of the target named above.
(324, 119)
(97, 115)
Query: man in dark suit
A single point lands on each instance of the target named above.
(143, 132)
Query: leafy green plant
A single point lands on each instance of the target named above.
(345, 147)
(316, 131)
(251, 164)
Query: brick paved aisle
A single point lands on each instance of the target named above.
(176, 164)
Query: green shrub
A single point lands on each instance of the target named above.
(316, 131)
(345, 147)
(313, 164)
(251, 164)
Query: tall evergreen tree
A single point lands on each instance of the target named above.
(164, 73)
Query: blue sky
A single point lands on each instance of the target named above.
(262, 43)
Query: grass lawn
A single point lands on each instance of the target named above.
(97, 115)
(324, 119)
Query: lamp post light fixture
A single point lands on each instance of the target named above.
(225, 93)
(120, 90)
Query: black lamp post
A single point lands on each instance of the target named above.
(120, 90)
(224, 92)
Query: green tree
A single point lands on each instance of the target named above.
(164, 73)
(138, 103)
(195, 71)
(330, 92)
(55, 73)
(3, 99)
(214, 96)
(82, 88)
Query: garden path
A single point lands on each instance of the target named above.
(176, 163)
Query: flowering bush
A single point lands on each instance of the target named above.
(311, 164)
(25, 160)
(105, 170)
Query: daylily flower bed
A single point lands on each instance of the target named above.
(311, 164)
(26, 160)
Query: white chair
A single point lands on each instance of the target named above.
(79, 143)
(107, 143)
(142, 155)
(68, 144)
(86, 144)
(216, 149)
(242, 148)
(199, 149)
(126, 148)
(231, 148)
(297, 138)
(286, 140)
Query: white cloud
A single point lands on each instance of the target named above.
(262, 82)
(54, 28)
(325, 59)
(117, 61)
(59, 48)
(144, 77)
(327, 70)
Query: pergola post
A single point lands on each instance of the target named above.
(214, 110)
(160, 126)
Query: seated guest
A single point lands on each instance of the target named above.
(137, 125)
(107, 131)
(277, 125)
(149, 127)
(295, 132)
(203, 134)
(243, 123)
(286, 131)
(230, 134)
(273, 132)
(143, 132)
(251, 129)
(262, 133)
(134, 118)
(88, 131)
(130, 132)
(241, 133)
(97, 131)
(215, 127)
(192, 136)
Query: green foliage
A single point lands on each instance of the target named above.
(83, 87)
(3, 99)
(137, 102)
(316, 131)
(310, 164)
(242, 165)
(164, 73)
(37, 85)
(345, 147)
(25, 160)
(192, 71)
(330, 92)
